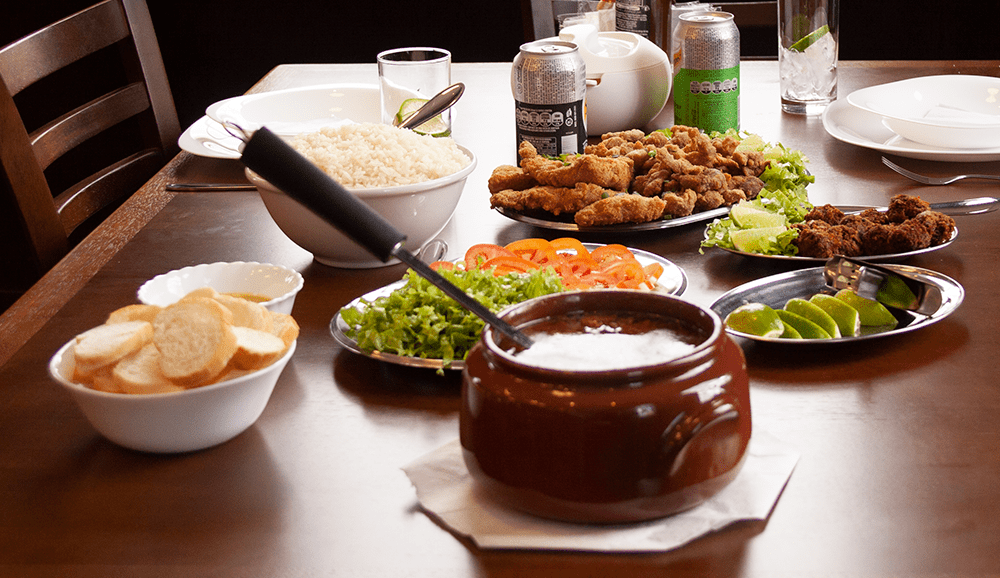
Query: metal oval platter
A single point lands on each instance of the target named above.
(673, 281)
(775, 290)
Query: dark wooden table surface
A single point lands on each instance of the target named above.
(899, 438)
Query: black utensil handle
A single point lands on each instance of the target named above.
(281, 165)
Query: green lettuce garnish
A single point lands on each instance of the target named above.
(785, 181)
(419, 320)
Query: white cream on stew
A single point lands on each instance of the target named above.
(603, 348)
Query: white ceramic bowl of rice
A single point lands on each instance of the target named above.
(413, 181)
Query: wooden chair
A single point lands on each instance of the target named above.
(44, 221)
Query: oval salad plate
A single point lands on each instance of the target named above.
(776, 290)
(886, 258)
(673, 281)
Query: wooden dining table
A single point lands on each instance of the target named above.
(898, 438)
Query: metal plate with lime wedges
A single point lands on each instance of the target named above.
(776, 290)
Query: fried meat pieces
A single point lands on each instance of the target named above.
(907, 225)
(644, 177)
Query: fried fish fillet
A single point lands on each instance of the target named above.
(609, 172)
(556, 200)
(506, 177)
(622, 208)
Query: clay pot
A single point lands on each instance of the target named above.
(606, 446)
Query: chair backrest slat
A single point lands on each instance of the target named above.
(32, 58)
(137, 115)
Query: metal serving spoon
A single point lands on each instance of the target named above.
(437, 104)
(272, 158)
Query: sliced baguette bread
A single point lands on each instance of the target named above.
(137, 312)
(141, 373)
(106, 344)
(195, 339)
(246, 313)
(256, 349)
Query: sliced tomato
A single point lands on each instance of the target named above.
(442, 266)
(570, 244)
(503, 264)
(481, 253)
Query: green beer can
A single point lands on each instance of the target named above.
(707, 87)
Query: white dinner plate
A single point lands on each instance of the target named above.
(673, 281)
(863, 128)
(776, 290)
(957, 111)
(287, 112)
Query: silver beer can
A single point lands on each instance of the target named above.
(548, 80)
(707, 87)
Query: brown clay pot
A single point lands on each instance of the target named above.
(606, 446)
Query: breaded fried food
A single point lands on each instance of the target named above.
(826, 213)
(509, 177)
(556, 200)
(821, 239)
(609, 172)
(896, 238)
(940, 226)
(623, 208)
(679, 204)
(903, 207)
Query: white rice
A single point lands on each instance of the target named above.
(368, 155)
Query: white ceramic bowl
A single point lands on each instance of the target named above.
(420, 211)
(278, 283)
(948, 111)
(181, 421)
(304, 109)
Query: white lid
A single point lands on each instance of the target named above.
(612, 51)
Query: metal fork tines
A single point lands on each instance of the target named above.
(934, 180)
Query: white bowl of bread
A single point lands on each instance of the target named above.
(272, 285)
(179, 378)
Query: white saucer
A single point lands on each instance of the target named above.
(862, 128)
(207, 138)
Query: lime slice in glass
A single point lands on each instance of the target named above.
(435, 127)
(755, 319)
(809, 39)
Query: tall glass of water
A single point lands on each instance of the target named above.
(808, 33)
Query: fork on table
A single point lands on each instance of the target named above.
(934, 180)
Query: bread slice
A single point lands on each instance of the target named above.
(195, 339)
(141, 373)
(106, 344)
(285, 327)
(205, 291)
(246, 313)
(256, 349)
(137, 312)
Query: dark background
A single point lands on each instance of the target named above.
(215, 49)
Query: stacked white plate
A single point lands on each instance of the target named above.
(945, 118)
(285, 112)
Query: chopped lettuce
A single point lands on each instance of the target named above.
(785, 181)
(419, 320)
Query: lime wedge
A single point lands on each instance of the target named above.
(755, 319)
(747, 216)
(813, 313)
(805, 328)
(847, 318)
(809, 39)
(790, 332)
(755, 240)
(435, 127)
(871, 313)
